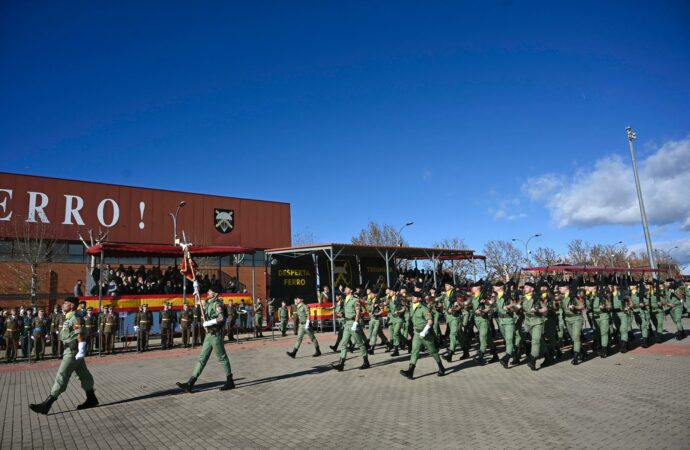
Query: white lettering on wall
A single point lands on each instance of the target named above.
(37, 208)
(72, 211)
(3, 203)
(116, 212)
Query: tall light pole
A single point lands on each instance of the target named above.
(400, 231)
(612, 255)
(647, 237)
(174, 219)
(527, 244)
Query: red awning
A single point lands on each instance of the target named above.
(169, 251)
(460, 257)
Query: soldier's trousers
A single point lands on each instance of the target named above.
(213, 342)
(601, 330)
(658, 321)
(300, 335)
(574, 326)
(396, 326)
(452, 324)
(68, 366)
(551, 333)
(55, 344)
(90, 339)
(518, 332)
(623, 321)
(296, 325)
(39, 347)
(143, 340)
(185, 336)
(243, 322)
(166, 338)
(259, 324)
(10, 349)
(676, 315)
(427, 342)
(642, 321)
(437, 328)
(464, 325)
(483, 328)
(375, 331)
(535, 331)
(109, 342)
(283, 326)
(507, 327)
(561, 327)
(355, 335)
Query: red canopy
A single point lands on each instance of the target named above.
(170, 251)
(460, 257)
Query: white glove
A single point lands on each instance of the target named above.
(136, 328)
(354, 326)
(82, 351)
(425, 331)
(307, 324)
(210, 323)
(196, 286)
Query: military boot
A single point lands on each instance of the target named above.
(395, 352)
(659, 337)
(448, 356)
(602, 353)
(465, 354)
(317, 352)
(90, 402)
(188, 385)
(441, 369)
(334, 348)
(370, 350)
(292, 354)
(516, 358)
(548, 360)
(576, 359)
(494, 356)
(365, 364)
(229, 384)
(479, 359)
(531, 363)
(409, 373)
(624, 347)
(43, 408)
(645, 342)
(504, 361)
(389, 346)
(559, 354)
(340, 366)
(678, 338)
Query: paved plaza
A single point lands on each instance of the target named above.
(634, 400)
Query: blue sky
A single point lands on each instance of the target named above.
(447, 114)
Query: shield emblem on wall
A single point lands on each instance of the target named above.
(224, 220)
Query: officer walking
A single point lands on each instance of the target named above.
(352, 312)
(422, 324)
(73, 337)
(213, 341)
(302, 312)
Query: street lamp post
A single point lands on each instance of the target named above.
(400, 231)
(526, 243)
(647, 237)
(612, 254)
(174, 219)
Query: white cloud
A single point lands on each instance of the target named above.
(678, 249)
(606, 194)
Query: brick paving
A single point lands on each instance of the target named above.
(633, 400)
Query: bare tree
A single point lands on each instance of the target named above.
(376, 234)
(545, 256)
(503, 259)
(34, 244)
(462, 268)
(579, 252)
(303, 237)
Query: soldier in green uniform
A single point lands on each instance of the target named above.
(232, 320)
(423, 338)
(621, 316)
(599, 308)
(302, 312)
(352, 312)
(56, 321)
(572, 306)
(39, 329)
(11, 335)
(284, 315)
(90, 328)
(167, 326)
(674, 302)
(111, 325)
(430, 301)
(534, 311)
(483, 313)
(213, 341)
(144, 322)
(73, 337)
(452, 314)
(340, 321)
(375, 308)
(258, 318)
(657, 312)
(186, 318)
(396, 311)
(550, 327)
(641, 314)
(506, 321)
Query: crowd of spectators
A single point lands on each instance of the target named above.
(154, 280)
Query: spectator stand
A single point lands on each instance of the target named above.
(324, 313)
(131, 303)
